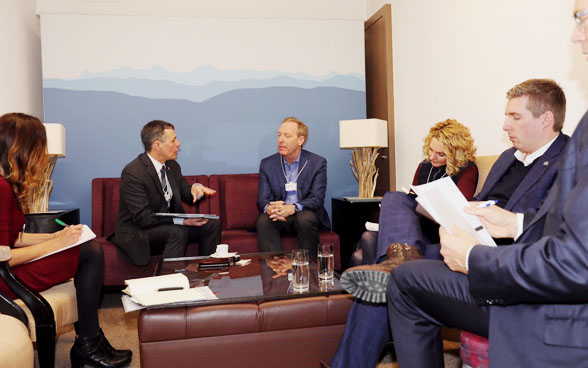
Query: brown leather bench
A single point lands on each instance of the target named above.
(285, 333)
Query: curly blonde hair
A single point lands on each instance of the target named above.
(23, 154)
(458, 144)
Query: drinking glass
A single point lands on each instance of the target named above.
(300, 269)
(326, 261)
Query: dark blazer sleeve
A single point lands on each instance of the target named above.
(314, 198)
(549, 265)
(139, 195)
(264, 188)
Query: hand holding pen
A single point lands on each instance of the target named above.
(489, 203)
(69, 235)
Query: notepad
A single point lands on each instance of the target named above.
(165, 289)
(87, 234)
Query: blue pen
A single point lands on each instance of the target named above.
(487, 203)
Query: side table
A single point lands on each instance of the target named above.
(44, 222)
(349, 217)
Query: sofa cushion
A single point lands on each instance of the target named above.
(240, 199)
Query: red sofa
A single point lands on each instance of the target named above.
(235, 202)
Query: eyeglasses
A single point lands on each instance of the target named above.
(578, 18)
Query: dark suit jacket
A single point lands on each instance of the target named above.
(311, 184)
(543, 278)
(534, 188)
(141, 196)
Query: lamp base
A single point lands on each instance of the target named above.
(364, 168)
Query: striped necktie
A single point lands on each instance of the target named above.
(163, 181)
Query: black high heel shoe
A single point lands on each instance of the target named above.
(125, 354)
(93, 352)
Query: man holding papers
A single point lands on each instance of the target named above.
(530, 299)
(519, 181)
(153, 183)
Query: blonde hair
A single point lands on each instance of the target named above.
(458, 144)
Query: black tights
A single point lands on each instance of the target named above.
(88, 281)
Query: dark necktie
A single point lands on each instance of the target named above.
(163, 181)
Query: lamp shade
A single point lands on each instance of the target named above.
(55, 139)
(363, 133)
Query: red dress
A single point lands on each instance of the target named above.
(38, 275)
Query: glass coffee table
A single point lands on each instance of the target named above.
(266, 277)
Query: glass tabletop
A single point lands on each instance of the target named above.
(266, 277)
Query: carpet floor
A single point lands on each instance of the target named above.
(121, 330)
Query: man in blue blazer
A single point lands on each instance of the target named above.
(530, 299)
(291, 193)
(519, 181)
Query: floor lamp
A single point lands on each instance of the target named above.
(39, 198)
(365, 137)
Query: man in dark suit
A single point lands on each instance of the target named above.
(530, 299)
(291, 193)
(519, 181)
(153, 183)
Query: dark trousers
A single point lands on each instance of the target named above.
(171, 240)
(88, 282)
(400, 223)
(305, 224)
(424, 295)
(365, 336)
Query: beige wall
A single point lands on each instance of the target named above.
(20, 71)
(20, 63)
(293, 9)
(457, 59)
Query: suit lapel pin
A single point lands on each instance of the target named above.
(546, 163)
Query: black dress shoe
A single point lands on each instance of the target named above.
(125, 354)
(92, 352)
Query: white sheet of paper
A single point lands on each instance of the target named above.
(87, 234)
(174, 296)
(444, 202)
(152, 284)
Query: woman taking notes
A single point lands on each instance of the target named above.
(23, 156)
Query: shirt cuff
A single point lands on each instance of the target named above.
(200, 185)
(467, 260)
(178, 221)
(520, 224)
(298, 207)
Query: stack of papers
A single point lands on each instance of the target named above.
(444, 202)
(166, 289)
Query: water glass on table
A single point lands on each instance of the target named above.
(326, 261)
(300, 269)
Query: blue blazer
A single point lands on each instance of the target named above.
(537, 288)
(311, 184)
(534, 188)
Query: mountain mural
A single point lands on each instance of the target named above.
(228, 133)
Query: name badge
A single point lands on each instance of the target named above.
(290, 187)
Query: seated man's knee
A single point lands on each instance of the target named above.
(180, 232)
(306, 219)
(263, 221)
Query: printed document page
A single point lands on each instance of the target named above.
(444, 202)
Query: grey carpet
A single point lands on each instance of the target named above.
(121, 330)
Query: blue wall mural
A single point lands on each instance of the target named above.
(226, 120)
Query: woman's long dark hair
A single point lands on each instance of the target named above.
(23, 154)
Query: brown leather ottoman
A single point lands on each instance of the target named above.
(285, 333)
